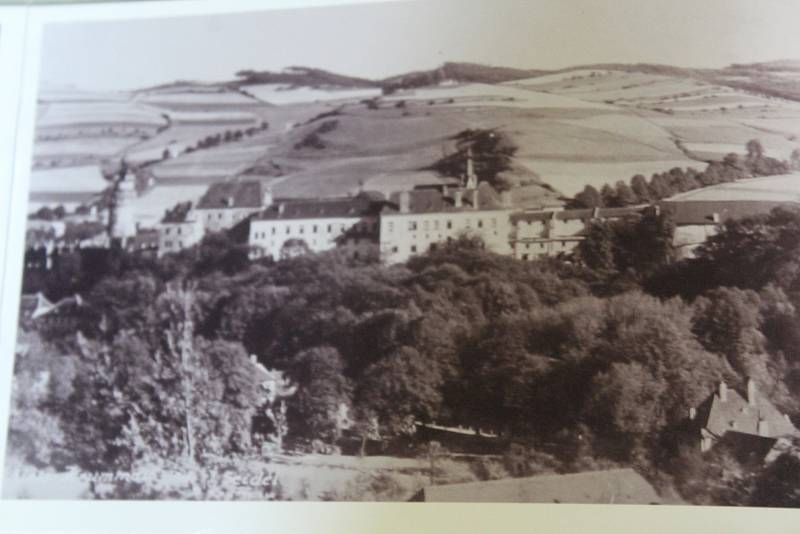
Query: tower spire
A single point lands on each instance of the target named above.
(470, 178)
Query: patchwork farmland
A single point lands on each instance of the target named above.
(571, 128)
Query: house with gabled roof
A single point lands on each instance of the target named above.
(749, 424)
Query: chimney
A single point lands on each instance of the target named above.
(763, 427)
(723, 391)
(595, 212)
(751, 392)
(229, 201)
(267, 198)
(457, 198)
(505, 198)
(281, 208)
(656, 209)
(692, 413)
(475, 201)
(444, 190)
(405, 202)
(715, 218)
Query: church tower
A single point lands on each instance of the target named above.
(122, 219)
(470, 179)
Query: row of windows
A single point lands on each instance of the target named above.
(168, 244)
(414, 248)
(315, 228)
(434, 224)
(168, 230)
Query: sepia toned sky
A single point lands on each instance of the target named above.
(378, 40)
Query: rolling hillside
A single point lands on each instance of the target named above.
(329, 134)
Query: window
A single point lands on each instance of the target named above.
(179, 230)
(433, 246)
(301, 228)
(167, 243)
(436, 224)
(219, 215)
(395, 249)
(180, 244)
(412, 225)
(314, 229)
(273, 230)
(330, 228)
(288, 229)
(449, 225)
(480, 223)
(525, 257)
(413, 248)
(167, 231)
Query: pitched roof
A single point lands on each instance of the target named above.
(576, 214)
(617, 486)
(178, 213)
(361, 205)
(33, 306)
(436, 201)
(736, 414)
(693, 212)
(238, 194)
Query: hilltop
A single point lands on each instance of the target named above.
(309, 132)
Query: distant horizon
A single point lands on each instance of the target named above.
(389, 38)
(545, 72)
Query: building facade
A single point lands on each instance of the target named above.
(414, 222)
(226, 204)
(554, 231)
(291, 228)
(179, 229)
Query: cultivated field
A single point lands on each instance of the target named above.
(769, 188)
(585, 126)
(281, 94)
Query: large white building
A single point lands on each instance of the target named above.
(290, 228)
(414, 222)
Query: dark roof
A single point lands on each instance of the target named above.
(691, 212)
(735, 413)
(580, 214)
(617, 486)
(361, 205)
(435, 201)
(31, 304)
(82, 230)
(238, 194)
(178, 213)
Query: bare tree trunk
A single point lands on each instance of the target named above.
(186, 346)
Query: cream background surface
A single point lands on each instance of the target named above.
(750, 31)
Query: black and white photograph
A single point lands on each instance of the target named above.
(432, 251)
